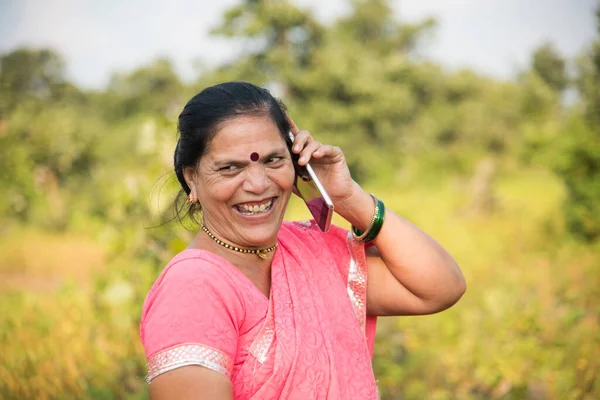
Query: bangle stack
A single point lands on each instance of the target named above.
(376, 223)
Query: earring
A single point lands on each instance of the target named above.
(268, 180)
(192, 198)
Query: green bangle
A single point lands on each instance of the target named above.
(376, 223)
(358, 235)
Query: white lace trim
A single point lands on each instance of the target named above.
(189, 354)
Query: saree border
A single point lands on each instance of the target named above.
(357, 279)
(189, 354)
(262, 343)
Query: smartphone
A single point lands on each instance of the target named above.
(312, 191)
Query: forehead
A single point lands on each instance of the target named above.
(243, 135)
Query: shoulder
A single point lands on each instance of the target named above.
(193, 281)
(309, 233)
(194, 301)
(193, 270)
(192, 263)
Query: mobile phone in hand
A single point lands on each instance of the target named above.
(311, 191)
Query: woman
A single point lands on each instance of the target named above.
(256, 308)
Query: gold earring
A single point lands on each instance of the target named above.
(192, 198)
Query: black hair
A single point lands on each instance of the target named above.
(202, 118)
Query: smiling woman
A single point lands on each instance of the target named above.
(256, 308)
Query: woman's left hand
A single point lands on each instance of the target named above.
(327, 161)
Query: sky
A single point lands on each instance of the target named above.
(100, 37)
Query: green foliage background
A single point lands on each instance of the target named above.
(505, 174)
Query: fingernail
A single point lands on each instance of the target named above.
(302, 159)
(297, 147)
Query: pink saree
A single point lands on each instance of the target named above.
(310, 340)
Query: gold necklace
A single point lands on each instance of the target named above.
(262, 253)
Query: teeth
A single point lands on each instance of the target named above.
(256, 208)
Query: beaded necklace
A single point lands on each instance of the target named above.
(262, 253)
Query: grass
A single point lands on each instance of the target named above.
(38, 261)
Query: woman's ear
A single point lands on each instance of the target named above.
(189, 173)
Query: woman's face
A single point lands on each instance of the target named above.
(243, 201)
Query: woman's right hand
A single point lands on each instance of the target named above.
(327, 161)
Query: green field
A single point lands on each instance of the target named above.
(528, 325)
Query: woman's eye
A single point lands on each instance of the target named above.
(228, 168)
(273, 160)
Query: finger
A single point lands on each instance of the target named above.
(293, 126)
(324, 151)
(308, 151)
(301, 140)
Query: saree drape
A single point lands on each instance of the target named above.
(311, 339)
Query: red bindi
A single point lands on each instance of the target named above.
(254, 156)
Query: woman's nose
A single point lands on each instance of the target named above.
(256, 179)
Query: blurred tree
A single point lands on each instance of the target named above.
(30, 74)
(579, 167)
(154, 89)
(550, 66)
(588, 80)
(44, 149)
(372, 22)
(41, 140)
(278, 37)
(58, 153)
(580, 164)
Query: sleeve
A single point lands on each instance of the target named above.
(191, 317)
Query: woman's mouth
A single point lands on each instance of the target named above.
(254, 208)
